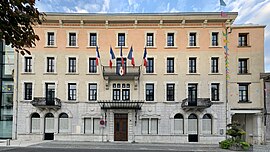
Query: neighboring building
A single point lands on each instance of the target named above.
(179, 97)
(266, 82)
(6, 90)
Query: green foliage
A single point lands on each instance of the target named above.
(236, 132)
(245, 145)
(16, 20)
(225, 144)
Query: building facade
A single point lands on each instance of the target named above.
(67, 89)
(6, 90)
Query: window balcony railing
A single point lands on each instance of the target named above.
(116, 73)
(43, 102)
(200, 103)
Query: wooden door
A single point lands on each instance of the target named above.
(120, 127)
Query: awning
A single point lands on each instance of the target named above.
(120, 104)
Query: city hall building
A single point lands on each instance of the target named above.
(168, 78)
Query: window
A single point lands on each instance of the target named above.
(50, 64)
(170, 65)
(215, 39)
(242, 39)
(207, 124)
(192, 94)
(149, 92)
(27, 91)
(50, 93)
(35, 123)
(150, 126)
(243, 92)
(72, 91)
(192, 39)
(28, 64)
(87, 126)
(72, 65)
(170, 92)
(96, 127)
(92, 65)
(150, 39)
(93, 39)
(214, 65)
(50, 36)
(121, 89)
(215, 91)
(242, 66)
(72, 39)
(170, 39)
(150, 65)
(92, 91)
(121, 39)
(63, 123)
(178, 124)
(192, 65)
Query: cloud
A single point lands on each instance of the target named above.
(105, 6)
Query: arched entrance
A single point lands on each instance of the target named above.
(192, 128)
(49, 127)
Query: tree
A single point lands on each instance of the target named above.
(16, 20)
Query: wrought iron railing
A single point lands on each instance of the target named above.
(200, 103)
(43, 102)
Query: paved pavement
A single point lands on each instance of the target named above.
(68, 146)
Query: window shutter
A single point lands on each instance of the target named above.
(87, 126)
(145, 126)
(35, 125)
(96, 126)
(154, 126)
(178, 126)
(192, 126)
(206, 126)
(63, 125)
(49, 127)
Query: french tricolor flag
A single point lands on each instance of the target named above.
(112, 57)
(130, 56)
(145, 57)
(97, 56)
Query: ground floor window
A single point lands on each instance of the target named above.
(63, 123)
(92, 126)
(35, 123)
(207, 124)
(150, 126)
(178, 124)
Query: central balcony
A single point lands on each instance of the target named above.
(128, 73)
(45, 103)
(200, 103)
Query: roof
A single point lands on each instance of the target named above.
(181, 17)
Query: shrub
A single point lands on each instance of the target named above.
(245, 145)
(225, 144)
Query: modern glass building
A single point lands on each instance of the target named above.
(6, 89)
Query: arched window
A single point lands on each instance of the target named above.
(207, 124)
(49, 123)
(63, 123)
(35, 123)
(192, 124)
(178, 124)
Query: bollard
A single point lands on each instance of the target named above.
(8, 142)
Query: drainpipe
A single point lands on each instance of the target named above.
(15, 117)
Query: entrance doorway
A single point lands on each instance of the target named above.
(192, 128)
(120, 127)
(49, 127)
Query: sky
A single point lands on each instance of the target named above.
(249, 11)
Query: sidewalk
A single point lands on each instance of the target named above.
(121, 145)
